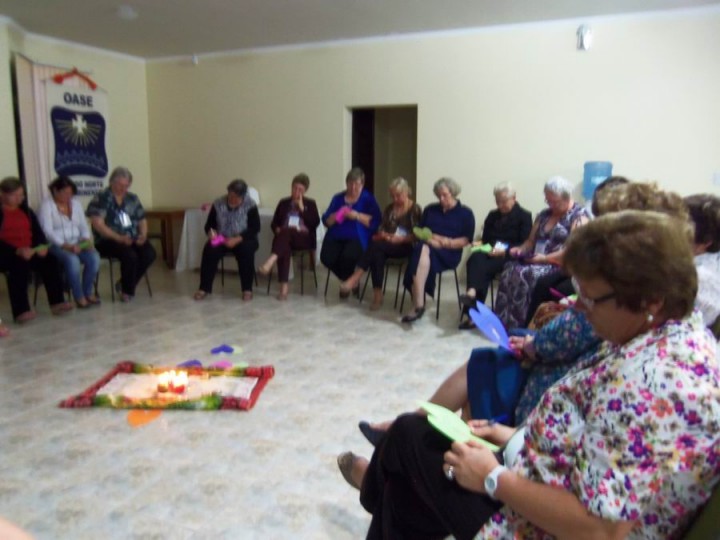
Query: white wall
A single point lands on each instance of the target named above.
(514, 103)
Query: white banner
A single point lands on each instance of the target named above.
(77, 135)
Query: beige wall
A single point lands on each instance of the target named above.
(514, 103)
(8, 152)
(124, 79)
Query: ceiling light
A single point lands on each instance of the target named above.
(126, 12)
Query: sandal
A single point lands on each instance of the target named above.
(373, 435)
(4, 330)
(94, 300)
(200, 295)
(468, 301)
(345, 462)
(414, 316)
(59, 309)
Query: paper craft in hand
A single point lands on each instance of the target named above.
(40, 247)
(85, 244)
(341, 214)
(490, 326)
(217, 240)
(484, 248)
(451, 425)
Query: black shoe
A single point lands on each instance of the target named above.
(414, 316)
(371, 434)
(468, 301)
(467, 324)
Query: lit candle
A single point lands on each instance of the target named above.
(163, 382)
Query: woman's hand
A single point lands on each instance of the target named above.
(493, 432)
(538, 258)
(497, 252)
(140, 240)
(25, 253)
(516, 251)
(523, 346)
(472, 462)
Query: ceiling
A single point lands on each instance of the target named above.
(167, 28)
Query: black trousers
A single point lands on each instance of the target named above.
(481, 270)
(244, 254)
(407, 493)
(377, 253)
(341, 256)
(18, 272)
(134, 261)
(541, 293)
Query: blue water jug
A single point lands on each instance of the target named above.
(595, 173)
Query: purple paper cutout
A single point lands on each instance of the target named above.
(222, 349)
(490, 326)
(191, 363)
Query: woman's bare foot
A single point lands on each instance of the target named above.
(200, 295)
(4, 330)
(377, 300)
(283, 293)
(247, 296)
(265, 268)
(25, 317)
(62, 307)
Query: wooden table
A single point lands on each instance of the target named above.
(166, 217)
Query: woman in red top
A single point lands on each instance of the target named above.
(23, 248)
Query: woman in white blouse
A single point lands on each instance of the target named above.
(63, 222)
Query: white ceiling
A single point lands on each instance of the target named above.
(166, 28)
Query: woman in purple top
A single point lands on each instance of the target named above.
(452, 227)
(351, 219)
(294, 225)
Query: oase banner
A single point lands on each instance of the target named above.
(78, 135)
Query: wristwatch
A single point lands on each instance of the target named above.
(491, 480)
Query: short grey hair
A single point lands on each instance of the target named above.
(452, 186)
(558, 185)
(120, 172)
(400, 184)
(355, 174)
(239, 187)
(504, 187)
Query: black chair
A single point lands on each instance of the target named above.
(111, 261)
(222, 269)
(300, 253)
(400, 263)
(439, 286)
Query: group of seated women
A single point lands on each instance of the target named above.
(58, 247)
(613, 418)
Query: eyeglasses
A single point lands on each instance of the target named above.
(590, 303)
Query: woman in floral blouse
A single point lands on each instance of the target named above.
(628, 447)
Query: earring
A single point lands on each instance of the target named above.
(650, 318)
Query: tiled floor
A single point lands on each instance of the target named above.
(269, 473)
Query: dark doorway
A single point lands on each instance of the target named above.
(384, 145)
(363, 144)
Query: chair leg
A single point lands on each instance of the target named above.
(362, 294)
(147, 282)
(437, 302)
(397, 287)
(112, 280)
(222, 272)
(457, 289)
(492, 295)
(269, 281)
(302, 273)
(314, 268)
(402, 302)
(327, 282)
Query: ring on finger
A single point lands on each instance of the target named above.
(450, 473)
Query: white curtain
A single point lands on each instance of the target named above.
(34, 122)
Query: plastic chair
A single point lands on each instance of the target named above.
(439, 286)
(400, 262)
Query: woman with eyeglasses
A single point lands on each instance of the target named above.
(625, 447)
(541, 254)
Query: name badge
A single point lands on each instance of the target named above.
(500, 246)
(125, 220)
(294, 221)
(540, 246)
(400, 231)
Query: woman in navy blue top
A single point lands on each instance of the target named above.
(451, 227)
(351, 219)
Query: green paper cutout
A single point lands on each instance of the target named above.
(85, 244)
(422, 233)
(40, 247)
(451, 425)
(485, 248)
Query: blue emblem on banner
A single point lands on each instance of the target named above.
(79, 143)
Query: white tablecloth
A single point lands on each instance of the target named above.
(193, 238)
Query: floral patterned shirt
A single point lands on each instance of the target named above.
(635, 436)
